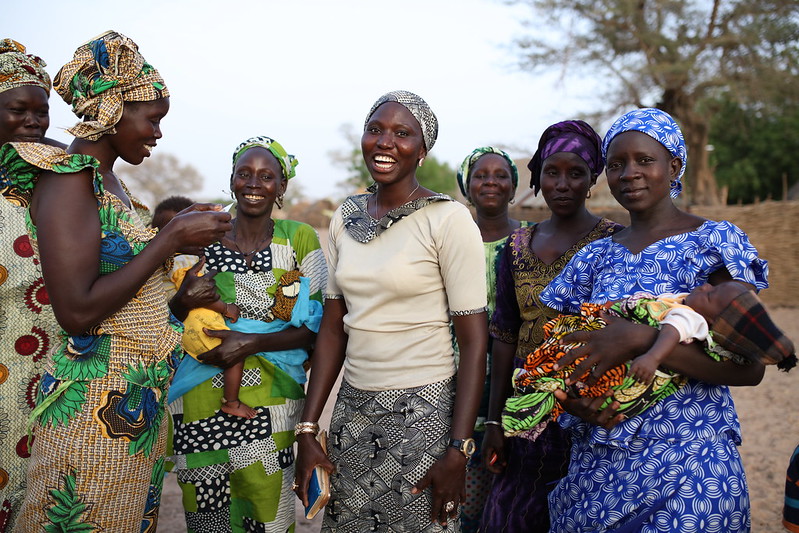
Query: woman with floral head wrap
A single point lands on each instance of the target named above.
(564, 168)
(234, 465)
(403, 260)
(99, 419)
(487, 178)
(28, 325)
(674, 467)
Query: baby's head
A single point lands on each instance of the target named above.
(710, 300)
(741, 324)
(167, 209)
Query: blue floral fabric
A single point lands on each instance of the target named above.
(674, 467)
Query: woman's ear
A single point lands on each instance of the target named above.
(676, 166)
(593, 180)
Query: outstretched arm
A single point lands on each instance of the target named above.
(64, 210)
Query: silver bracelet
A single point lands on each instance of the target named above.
(493, 423)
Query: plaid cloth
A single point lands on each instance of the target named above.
(745, 328)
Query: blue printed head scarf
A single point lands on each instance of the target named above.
(286, 160)
(464, 172)
(660, 126)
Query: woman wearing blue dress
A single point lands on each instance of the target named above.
(676, 466)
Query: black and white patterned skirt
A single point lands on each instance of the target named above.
(382, 443)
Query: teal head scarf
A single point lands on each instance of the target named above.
(287, 161)
(466, 168)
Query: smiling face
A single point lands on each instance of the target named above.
(257, 180)
(640, 170)
(139, 129)
(565, 181)
(24, 114)
(392, 143)
(710, 300)
(491, 183)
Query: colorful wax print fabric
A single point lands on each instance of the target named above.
(100, 406)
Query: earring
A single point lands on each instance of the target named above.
(279, 201)
(421, 161)
(589, 194)
(512, 201)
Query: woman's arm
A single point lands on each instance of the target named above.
(237, 346)
(328, 359)
(64, 210)
(447, 476)
(622, 340)
(501, 372)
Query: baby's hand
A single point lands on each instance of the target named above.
(232, 312)
(642, 370)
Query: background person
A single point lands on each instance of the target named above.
(688, 439)
(487, 178)
(99, 418)
(403, 260)
(236, 472)
(28, 326)
(564, 168)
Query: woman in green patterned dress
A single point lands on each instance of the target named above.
(235, 471)
(100, 426)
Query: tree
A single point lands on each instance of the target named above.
(160, 176)
(755, 154)
(678, 55)
(434, 174)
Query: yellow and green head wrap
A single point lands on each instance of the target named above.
(287, 161)
(18, 69)
(105, 73)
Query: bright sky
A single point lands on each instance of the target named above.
(298, 70)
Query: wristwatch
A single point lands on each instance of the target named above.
(466, 446)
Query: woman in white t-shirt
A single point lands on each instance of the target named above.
(403, 261)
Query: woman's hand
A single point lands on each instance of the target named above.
(235, 347)
(618, 342)
(197, 226)
(494, 449)
(309, 455)
(195, 291)
(589, 409)
(447, 481)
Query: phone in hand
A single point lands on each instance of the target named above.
(319, 485)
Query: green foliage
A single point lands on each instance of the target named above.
(753, 149)
(672, 54)
(433, 174)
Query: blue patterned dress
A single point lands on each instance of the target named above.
(674, 467)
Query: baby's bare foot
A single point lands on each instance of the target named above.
(238, 408)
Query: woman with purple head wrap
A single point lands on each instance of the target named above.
(564, 168)
(689, 439)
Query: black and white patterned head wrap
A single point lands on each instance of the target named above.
(418, 108)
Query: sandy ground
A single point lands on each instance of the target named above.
(767, 447)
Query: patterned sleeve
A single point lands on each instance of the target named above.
(738, 255)
(461, 259)
(574, 285)
(311, 259)
(506, 320)
(332, 291)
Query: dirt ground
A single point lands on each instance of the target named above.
(767, 447)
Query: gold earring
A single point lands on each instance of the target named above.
(589, 194)
(421, 161)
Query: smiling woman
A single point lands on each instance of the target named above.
(403, 261)
(99, 415)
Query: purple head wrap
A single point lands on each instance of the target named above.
(573, 136)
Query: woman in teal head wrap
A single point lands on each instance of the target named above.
(233, 447)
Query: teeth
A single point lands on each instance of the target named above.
(149, 148)
(384, 159)
(253, 197)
